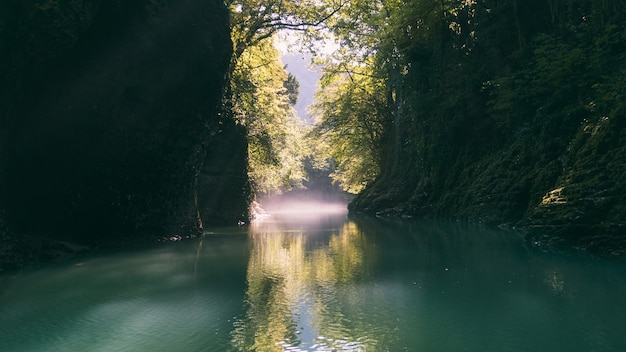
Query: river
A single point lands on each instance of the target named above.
(312, 279)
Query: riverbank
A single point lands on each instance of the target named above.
(19, 252)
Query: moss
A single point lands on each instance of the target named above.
(536, 142)
(565, 187)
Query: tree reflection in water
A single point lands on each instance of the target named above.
(295, 276)
(330, 284)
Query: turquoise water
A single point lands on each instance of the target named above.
(317, 281)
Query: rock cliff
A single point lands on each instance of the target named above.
(518, 120)
(110, 118)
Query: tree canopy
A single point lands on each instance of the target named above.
(351, 109)
(256, 21)
(262, 97)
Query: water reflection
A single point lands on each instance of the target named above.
(321, 282)
(295, 283)
(333, 284)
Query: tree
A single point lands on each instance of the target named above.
(262, 104)
(293, 88)
(350, 110)
(260, 94)
(255, 21)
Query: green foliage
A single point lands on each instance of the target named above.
(262, 94)
(567, 77)
(454, 106)
(350, 109)
(387, 47)
(293, 88)
(254, 21)
(261, 102)
(484, 107)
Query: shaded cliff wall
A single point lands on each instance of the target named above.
(107, 111)
(519, 119)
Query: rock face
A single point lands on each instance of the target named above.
(587, 206)
(572, 194)
(531, 135)
(108, 109)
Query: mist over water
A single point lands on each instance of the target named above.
(304, 209)
(308, 214)
(308, 277)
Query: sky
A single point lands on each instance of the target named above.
(298, 63)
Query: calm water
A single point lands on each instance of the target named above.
(319, 282)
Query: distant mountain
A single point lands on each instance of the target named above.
(300, 66)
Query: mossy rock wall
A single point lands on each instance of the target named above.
(529, 135)
(108, 109)
(569, 194)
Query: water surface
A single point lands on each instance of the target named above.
(305, 280)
